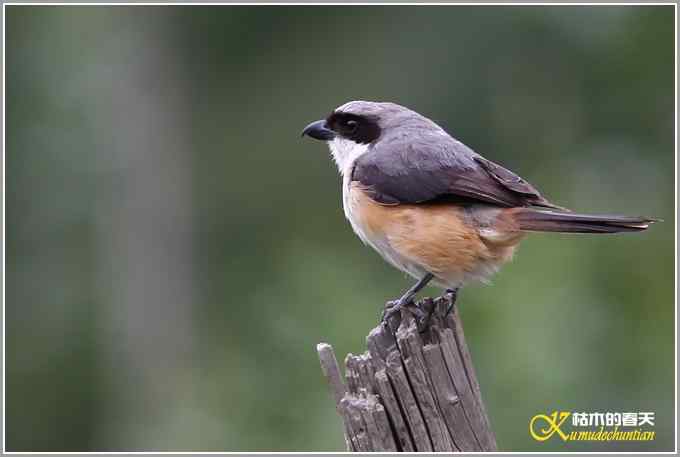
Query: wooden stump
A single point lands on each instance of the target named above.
(411, 390)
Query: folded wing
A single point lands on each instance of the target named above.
(433, 166)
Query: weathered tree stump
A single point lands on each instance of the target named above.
(411, 390)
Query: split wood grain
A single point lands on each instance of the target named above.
(412, 389)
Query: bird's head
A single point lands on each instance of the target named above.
(351, 129)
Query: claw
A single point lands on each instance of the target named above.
(394, 306)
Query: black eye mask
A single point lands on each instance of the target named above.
(360, 129)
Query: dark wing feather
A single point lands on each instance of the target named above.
(418, 167)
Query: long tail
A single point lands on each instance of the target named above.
(536, 220)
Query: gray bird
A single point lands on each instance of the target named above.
(431, 206)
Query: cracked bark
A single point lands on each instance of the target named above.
(411, 391)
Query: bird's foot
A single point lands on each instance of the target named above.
(393, 307)
(452, 295)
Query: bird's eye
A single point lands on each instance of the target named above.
(351, 126)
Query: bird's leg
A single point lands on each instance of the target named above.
(394, 306)
(453, 294)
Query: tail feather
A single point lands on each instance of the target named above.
(535, 220)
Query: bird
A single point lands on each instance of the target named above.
(430, 205)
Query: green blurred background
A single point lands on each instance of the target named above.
(175, 250)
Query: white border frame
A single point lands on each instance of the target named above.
(361, 3)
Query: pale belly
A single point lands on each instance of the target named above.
(441, 239)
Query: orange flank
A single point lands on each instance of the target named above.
(444, 238)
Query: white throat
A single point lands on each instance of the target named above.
(345, 152)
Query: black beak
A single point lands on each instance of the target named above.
(319, 131)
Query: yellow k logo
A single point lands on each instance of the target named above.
(551, 424)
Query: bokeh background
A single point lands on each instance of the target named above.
(175, 250)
